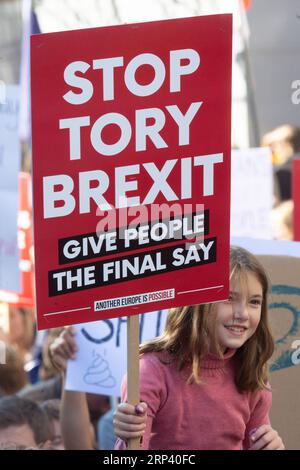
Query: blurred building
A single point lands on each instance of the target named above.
(275, 60)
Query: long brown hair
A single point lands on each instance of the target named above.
(189, 334)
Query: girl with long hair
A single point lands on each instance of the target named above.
(204, 381)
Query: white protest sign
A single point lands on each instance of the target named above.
(10, 156)
(101, 360)
(251, 193)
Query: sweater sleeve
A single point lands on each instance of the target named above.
(153, 391)
(260, 405)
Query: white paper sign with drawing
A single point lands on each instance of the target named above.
(101, 360)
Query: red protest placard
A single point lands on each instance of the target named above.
(131, 167)
(296, 197)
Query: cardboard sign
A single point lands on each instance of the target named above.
(281, 259)
(131, 164)
(284, 307)
(296, 197)
(101, 359)
(251, 193)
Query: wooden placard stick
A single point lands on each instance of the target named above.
(133, 383)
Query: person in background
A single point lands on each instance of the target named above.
(284, 141)
(282, 221)
(50, 383)
(47, 369)
(13, 377)
(105, 429)
(78, 410)
(22, 329)
(23, 423)
(52, 410)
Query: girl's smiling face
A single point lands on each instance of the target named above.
(238, 317)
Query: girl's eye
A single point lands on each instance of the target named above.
(256, 302)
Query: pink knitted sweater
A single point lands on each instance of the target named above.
(211, 415)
